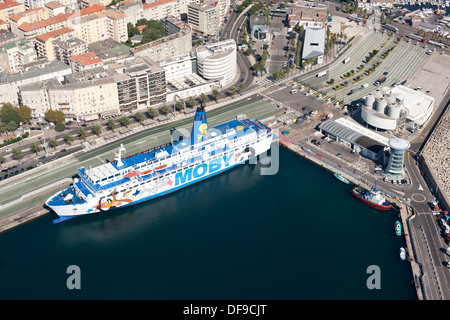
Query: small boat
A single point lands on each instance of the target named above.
(398, 228)
(161, 167)
(341, 178)
(146, 172)
(131, 174)
(402, 253)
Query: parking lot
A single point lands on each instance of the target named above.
(400, 63)
(279, 45)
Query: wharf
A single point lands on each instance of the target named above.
(405, 211)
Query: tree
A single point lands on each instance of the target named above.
(54, 116)
(164, 109)
(111, 124)
(82, 134)
(152, 112)
(216, 94)
(139, 117)
(60, 127)
(97, 129)
(233, 91)
(12, 126)
(125, 121)
(179, 105)
(132, 30)
(24, 113)
(35, 147)
(192, 102)
(17, 154)
(52, 143)
(8, 113)
(203, 99)
(241, 88)
(68, 139)
(2, 159)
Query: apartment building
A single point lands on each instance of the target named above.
(85, 61)
(116, 24)
(10, 84)
(54, 8)
(140, 83)
(160, 9)
(30, 16)
(176, 43)
(133, 12)
(44, 42)
(16, 53)
(204, 17)
(10, 8)
(80, 96)
(64, 49)
(30, 31)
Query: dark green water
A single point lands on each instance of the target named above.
(298, 234)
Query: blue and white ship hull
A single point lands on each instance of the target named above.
(163, 170)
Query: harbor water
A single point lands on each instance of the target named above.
(298, 234)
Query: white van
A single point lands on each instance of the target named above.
(293, 91)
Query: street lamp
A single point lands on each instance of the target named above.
(44, 144)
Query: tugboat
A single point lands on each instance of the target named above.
(371, 197)
(341, 178)
(398, 228)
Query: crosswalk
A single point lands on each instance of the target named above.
(264, 81)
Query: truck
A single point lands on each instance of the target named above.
(346, 60)
(437, 44)
(380, 81)
(321, 74)
(416, 38)
(389, 27)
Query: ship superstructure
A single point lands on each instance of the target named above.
(167, 168)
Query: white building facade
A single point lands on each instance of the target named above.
(217, 61)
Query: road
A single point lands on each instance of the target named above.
(243, 63)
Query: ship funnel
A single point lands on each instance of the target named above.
(200, 127)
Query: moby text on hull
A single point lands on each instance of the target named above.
(153, 173)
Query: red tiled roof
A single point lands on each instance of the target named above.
(53, 34)
(89, 10)
(156, 3)
(43, 23)
(87, 58)
(8, 4)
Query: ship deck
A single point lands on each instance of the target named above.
(238, 128)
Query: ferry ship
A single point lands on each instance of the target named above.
(371, 197)
(164, 169)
